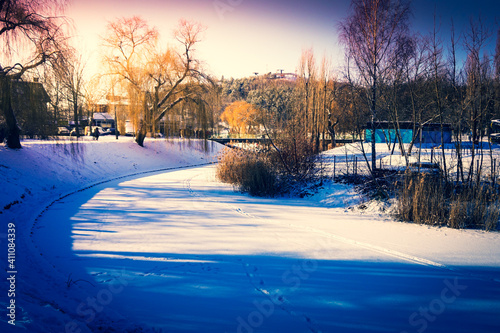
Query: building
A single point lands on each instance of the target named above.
(111, 105)
(292, 77)
(385, 132)
(29, 102)
(104, 120)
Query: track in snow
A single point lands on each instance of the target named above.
(200, 257)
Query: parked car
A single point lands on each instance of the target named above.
(61, 130)
(129, 128)
(114, 131)
(109, 131)
(495, 131)
(73, 131)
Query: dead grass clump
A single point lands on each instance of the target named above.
(475, 208)
(249, 171)
(429, 199)
(422, 199)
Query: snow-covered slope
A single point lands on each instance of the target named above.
(177, 251)
(44, 169)
(33, 177)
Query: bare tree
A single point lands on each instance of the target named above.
(438, 75)
(414, 76)
(369, 35)
(161, 78)
(456, 100)
(327, 90)
(497, 56)
(477, 95)
(307, 76)
(71, 75)
(93, 91)
(185, 71)
(129, 42)
(52, 85)
(28, 27)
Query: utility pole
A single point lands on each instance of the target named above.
(114, 100)
(116, 123)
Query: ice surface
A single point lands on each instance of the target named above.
(176, 251)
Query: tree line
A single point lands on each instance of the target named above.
(391, 74)
(399, 75)
(154, 80)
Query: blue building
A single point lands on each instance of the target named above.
(386, 132)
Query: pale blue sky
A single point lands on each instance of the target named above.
(247, 36)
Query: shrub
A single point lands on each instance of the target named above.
(289, 167)
(475, 208)
(249, 171)
(228, 170)
(295, 157)
(429, 199)
(422, 199)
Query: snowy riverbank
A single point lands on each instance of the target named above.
(177, 251)
(40, 173)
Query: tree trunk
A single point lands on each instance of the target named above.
(76, 119)
(373, 137)
(331, 130)
(13, 140)
(143, 128)
(141, 134)
(373, 107)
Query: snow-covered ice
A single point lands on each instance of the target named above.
(176, 251)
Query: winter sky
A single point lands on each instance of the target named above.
(247, 36)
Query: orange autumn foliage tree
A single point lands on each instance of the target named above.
(242, 117)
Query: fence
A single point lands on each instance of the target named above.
(485, 166)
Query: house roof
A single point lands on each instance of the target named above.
(409, 125)
(27, 90)
(102, 116)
